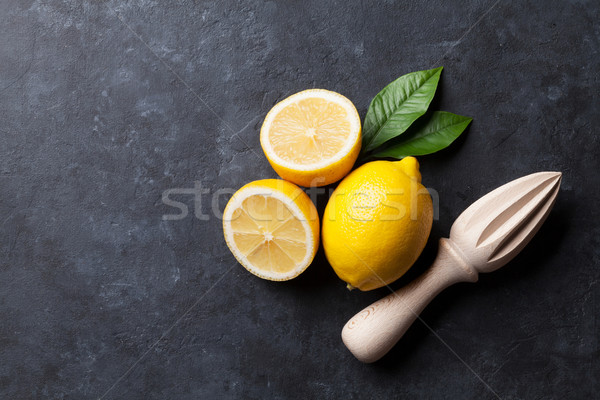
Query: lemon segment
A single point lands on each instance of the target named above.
(312, 138)
(272, 228)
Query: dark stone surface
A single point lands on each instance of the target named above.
(105, 105)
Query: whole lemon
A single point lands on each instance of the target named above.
(377, 223)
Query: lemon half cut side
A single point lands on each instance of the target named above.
(272, 228)
(312, 138)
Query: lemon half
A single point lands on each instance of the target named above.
(312, 138)
(272, 228)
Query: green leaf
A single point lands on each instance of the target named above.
(430, 135)
(397, 106)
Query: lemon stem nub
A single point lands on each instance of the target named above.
(350, 287)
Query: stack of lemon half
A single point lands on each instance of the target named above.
(271, 226)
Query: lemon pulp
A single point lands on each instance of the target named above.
(267, 234)
(310, 131)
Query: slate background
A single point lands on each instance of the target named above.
(104, 105)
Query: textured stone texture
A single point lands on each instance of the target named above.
(104, 105)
